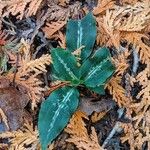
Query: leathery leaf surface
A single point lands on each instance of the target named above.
(65, 65)
(55, 113)
(96, 70)
(81, 33)
(98, 89)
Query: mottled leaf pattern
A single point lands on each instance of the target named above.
(65, 64)
(55, 113)
(93, 72)
(96, 70)
(81, 33)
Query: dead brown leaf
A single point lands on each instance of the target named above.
(89, 105)
(12, 102)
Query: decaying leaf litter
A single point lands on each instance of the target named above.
(29, 32)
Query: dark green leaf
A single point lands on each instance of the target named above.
(81, 33)
(65, 65)
(98, 69)
(55, 113)
(98, 89)
(54, 74)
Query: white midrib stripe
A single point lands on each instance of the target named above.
(79, 35)
(67, 69)
(61, 105)
(95, 69)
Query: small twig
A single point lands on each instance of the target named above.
(40, 34)
(135, 62)
(115, 129)
(127, 85)
(17, 61)
(39, 24)
(48, 92)
(45, 78)
(121, 48)
(37, 50)
(9, 23)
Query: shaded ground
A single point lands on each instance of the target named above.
(127, 98)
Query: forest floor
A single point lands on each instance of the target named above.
(118, 120)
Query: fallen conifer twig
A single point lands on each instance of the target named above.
(116, 128)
